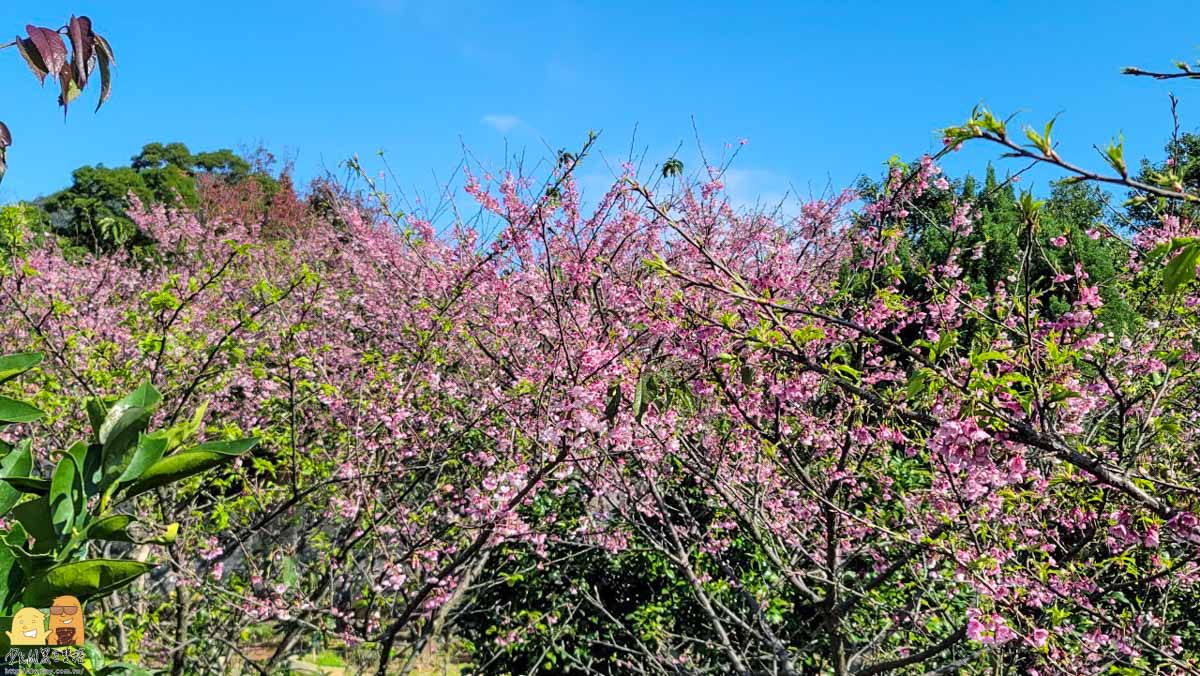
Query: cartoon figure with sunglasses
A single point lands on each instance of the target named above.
(66, 622)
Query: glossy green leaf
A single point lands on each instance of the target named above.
(97, 411)
(111, 527)
(123, 426)
(17, 564)
(13, 411)
(188, 463)
(232, 447)
(83, 580)
(126, 413)
(1182, 268)
(13, 365)
(11, 576)
(31, 560)
(116, 527)
(639, 399)
(30, 485)
(89, 459)
(150, 449)
(34, 515)
(17, 463)
(66, 494)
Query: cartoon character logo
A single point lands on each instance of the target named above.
(66, 622)
(28, 627)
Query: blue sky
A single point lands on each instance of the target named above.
(822, 92)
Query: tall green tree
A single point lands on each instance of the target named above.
(1069, 229)
(92, 212)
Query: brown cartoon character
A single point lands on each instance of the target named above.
(28, 628)
(66, 622)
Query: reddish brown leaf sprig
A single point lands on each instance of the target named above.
(45, 52)
(5, 142)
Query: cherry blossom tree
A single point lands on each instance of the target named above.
(828, 450)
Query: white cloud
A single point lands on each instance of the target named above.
(503, 123)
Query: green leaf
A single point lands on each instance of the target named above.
(289, 573)
(234, 447)
(123, 669)
(66, 494)
(89, 460)
(614, 402)
(34, 515)
(187, 463)
(16, 541)
(1059, 393)
(1040, 142)
(150, 449)
(97, 410)
(1169, 246)
(10, 575)
(989, 355)
(168, 536)
(126, 410)
(123, 426)
(1182, 268)
(182, 432)
(1114, 154)
(13, 365)
(83, 580)
(112, 527)
(17, 463)
(918, 383)
(25, 484)
(13, 411)
(18, 564)
(116, 527)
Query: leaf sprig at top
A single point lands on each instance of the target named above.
(45, 52)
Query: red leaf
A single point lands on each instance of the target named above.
(50, 47)
(104, 55)
(5, 142)
(32, 58)
(83, 42)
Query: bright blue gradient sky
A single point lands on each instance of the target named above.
(824, 93)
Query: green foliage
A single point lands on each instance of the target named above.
(21, 226)
(91, 213)
(54, 522)
(1002, 225)
(672, 167)
(1182, 266)
(1179, 171)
